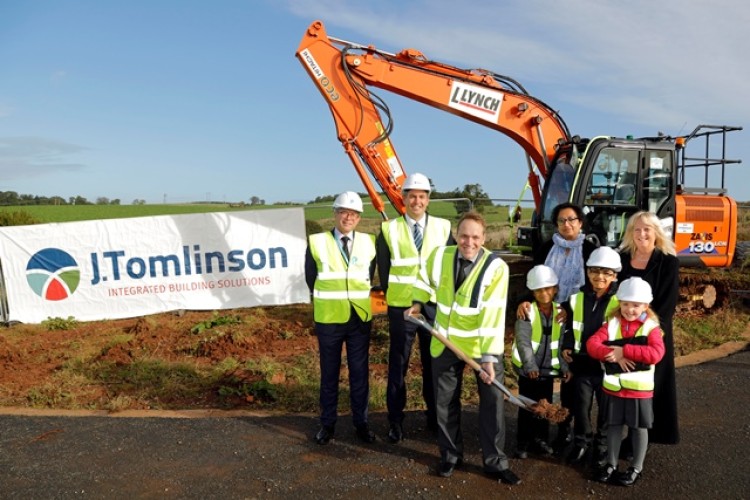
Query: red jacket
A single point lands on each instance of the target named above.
(650, 353)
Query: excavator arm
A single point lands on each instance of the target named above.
(345, 74)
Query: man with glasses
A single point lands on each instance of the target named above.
(339, 267)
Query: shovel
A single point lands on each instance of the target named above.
(521, 401)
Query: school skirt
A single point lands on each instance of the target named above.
(635, 413)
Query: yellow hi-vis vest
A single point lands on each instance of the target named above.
(535, 317)
(576, 304)
(405, 259)
(339, 286)
(633, 381)
(472, 317)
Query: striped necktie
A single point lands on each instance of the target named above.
(417, 236)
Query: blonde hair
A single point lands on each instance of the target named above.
(663, 242)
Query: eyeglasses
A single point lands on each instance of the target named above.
(601, 271)
(569, 220)
(348, 213)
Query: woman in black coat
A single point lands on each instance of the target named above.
(648, 253)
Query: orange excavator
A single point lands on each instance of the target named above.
(609, 177)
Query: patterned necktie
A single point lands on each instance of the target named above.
(418, 236)
(461, 275)
(345, 246)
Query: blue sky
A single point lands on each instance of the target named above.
(187, 100)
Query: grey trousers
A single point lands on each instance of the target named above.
(447, 371)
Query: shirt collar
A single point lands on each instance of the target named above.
(459, 255)
(338, 234)
(411, 221)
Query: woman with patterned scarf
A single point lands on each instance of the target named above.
(566, 253)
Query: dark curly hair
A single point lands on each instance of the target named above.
(562, 206)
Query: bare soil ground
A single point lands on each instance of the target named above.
(92, 364)
(255, 359)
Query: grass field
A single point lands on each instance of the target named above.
(72, 213)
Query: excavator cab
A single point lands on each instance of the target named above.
(618, 177)
(612, 178)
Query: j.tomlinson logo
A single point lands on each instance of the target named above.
(113, 264)
(53, 274)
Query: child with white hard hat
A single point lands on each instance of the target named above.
(537, 358)
(628, 345)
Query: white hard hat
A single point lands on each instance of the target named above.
(541, 277)
(349, 200)
(635, 290)
(605, 257)
(416, 181)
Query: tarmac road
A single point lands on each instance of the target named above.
(243, 455)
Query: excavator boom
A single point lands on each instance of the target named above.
(346, 73)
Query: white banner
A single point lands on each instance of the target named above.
(122, 268)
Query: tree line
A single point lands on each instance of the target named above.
(11, 198)
(473, 192)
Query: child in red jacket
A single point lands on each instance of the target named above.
(628, 345)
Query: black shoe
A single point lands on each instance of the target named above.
(522, 453)
(445, 469)
(604, 474)
(505, 476)
(541, 448)
(324, 435)
(365, 434)
(577, 455)
(629, 477)
(395, 433)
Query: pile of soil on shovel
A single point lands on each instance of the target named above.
(549, 411)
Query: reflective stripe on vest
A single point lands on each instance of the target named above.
(576, 304)
(632, 381)
(405, 259)
(473, 317)
(338, 287)
(535, 317)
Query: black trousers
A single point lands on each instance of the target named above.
(586, 389)
(355, 335)
(402, 334)
(531, 427)
(567, 396)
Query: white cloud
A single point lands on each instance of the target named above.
(669, 63)
(28, 157)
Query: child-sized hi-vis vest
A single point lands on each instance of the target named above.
(405, 259)
(472, 317)
(537, 330)
(576, 304)
(339, 285)
(637, 380)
